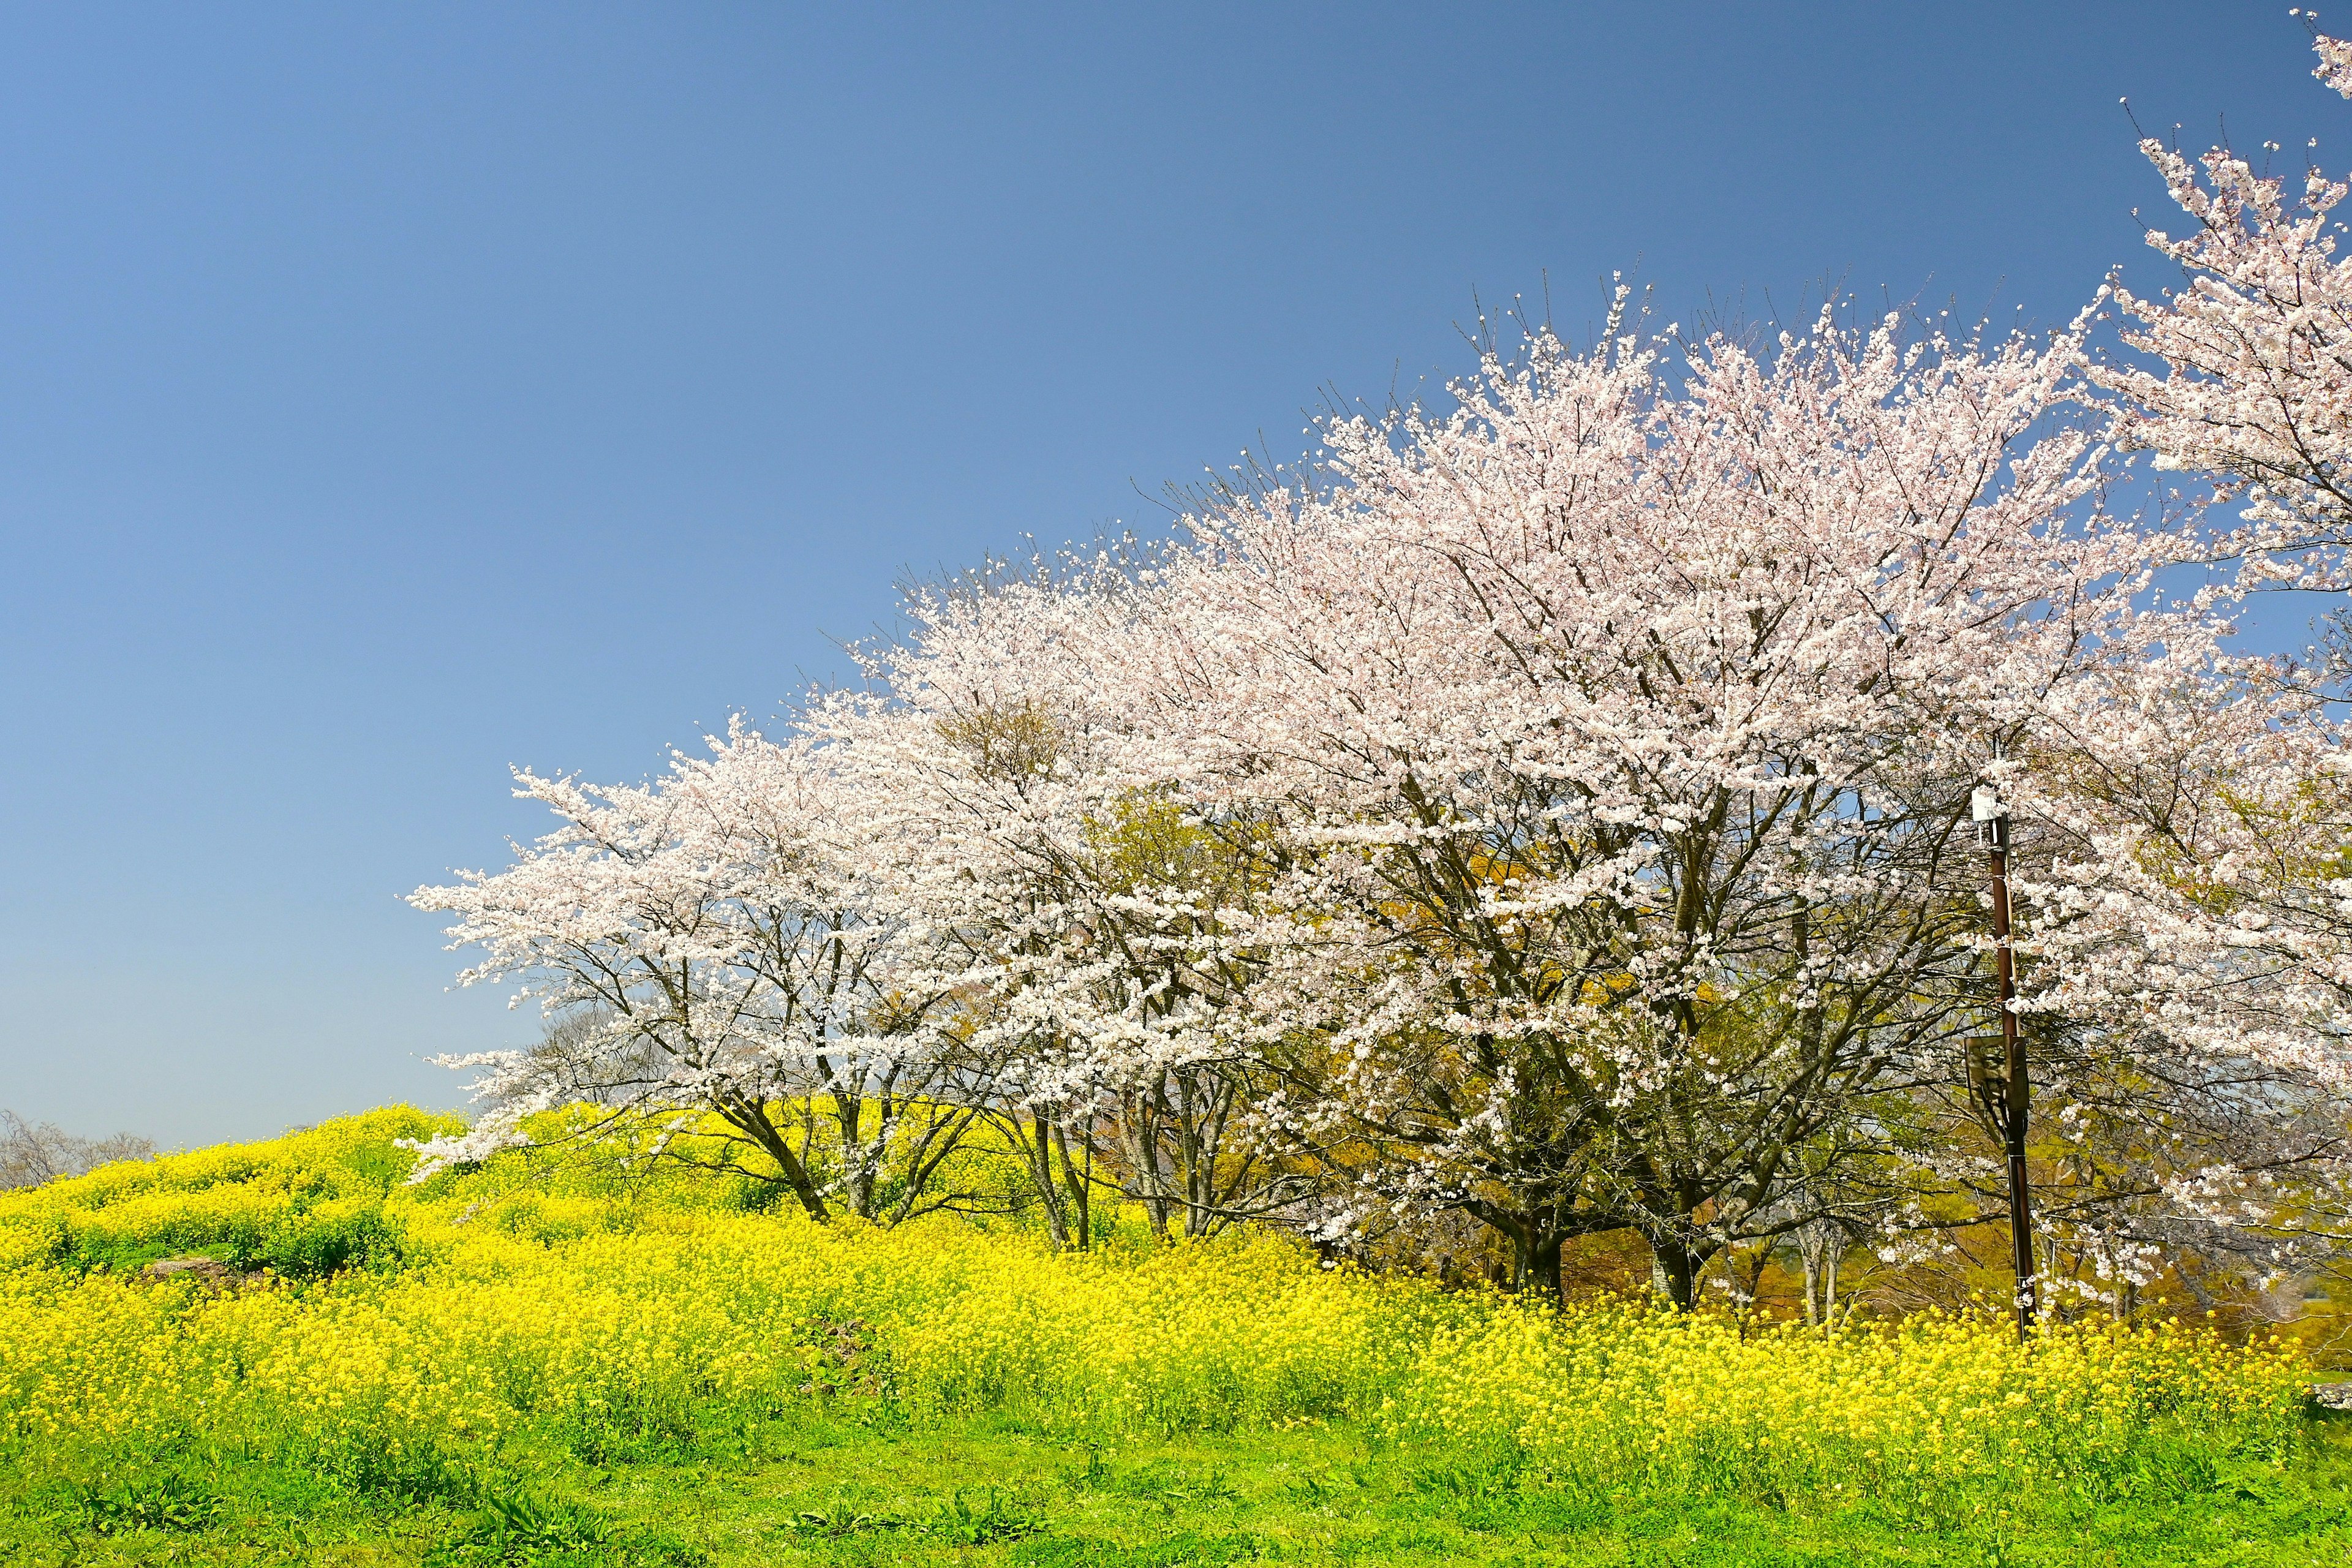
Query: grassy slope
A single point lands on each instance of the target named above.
(821, 1490)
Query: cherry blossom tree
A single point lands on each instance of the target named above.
(2191, 963)
(1095, 920)
(2191, 924)
(726, 944)
(1618, 734)
(1591, 763)
(2250, 379)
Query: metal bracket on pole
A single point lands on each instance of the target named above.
(1991, 818)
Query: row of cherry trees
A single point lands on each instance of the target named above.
(1555, 812)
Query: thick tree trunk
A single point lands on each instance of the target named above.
(1535, 1241)
(1543, 1267)
(1674, 1271)
(753, 1122)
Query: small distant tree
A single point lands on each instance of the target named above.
(33, 1154)
(576, 1050)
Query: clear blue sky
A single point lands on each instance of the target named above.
(390, 394)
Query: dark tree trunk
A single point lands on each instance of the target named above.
(1543, 1267)
(753, 1122)
(1049, 1189)
(1677, 1266)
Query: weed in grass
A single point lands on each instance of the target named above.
(163, 1500)
(841, 1517)
(1321, 1485)
(1091, 1474)
(1169, 1489)
(961, 1520)
(417, 1478)
(1486, 1480)
(1185, 1549)
(519, 1524)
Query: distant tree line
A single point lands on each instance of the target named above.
(33, 1154)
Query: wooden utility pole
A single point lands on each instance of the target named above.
(2003, 1099)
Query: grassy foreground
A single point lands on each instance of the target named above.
(816, 1490)
(604, 1363)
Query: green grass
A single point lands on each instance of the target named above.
(827, 1489)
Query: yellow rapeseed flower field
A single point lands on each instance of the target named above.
(599, 1309)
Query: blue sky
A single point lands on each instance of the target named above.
(391, 393)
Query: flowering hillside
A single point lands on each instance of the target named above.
(525, 1317)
